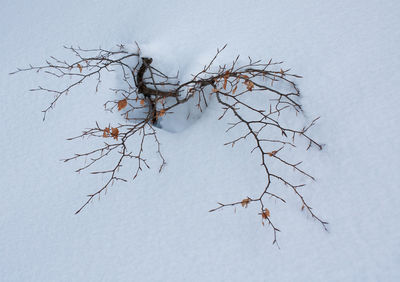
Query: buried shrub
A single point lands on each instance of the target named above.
(255, 97)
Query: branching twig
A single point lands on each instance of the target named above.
(253, 96)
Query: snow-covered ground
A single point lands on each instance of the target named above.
(158, 228)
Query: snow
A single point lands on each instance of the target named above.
(158, 228)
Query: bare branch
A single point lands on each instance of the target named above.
(254, 96)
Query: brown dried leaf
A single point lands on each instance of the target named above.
(161, 113)
(250, 85)
(234, 90)
(273, 153)
(79, 67)
(226, 76)
(245, 202)
(265, 213)
(114, 133)
(106, 132)
(122, 104)
(142, 102)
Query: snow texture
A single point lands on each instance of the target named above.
(157, 228)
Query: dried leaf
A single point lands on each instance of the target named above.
(114, 133)
(215, 90)
(250, 85)
(226, 76)
(161, 113)
(142, 102)
(234, 90)
(106, 132)
(122, 104)
(245, 202)
(265, 213)
(273, 153)
(79, 67)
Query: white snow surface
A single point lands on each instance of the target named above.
(158, 227)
